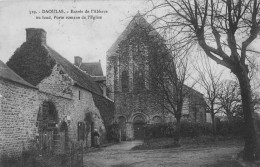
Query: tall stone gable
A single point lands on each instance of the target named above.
(128, 78)
(129, 81)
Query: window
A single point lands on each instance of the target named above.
(157, 119)
(125, 81)
(139, 119)
(48, 112)
(139, 83)
(79, 94)
(47, 117)
(185, 107)
(121, 120)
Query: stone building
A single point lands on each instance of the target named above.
(18, 112)
(71, 104)
(94, 69)
(130, 84)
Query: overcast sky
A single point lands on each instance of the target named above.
(87, 38)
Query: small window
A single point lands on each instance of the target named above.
(124, 81)
(79, 94)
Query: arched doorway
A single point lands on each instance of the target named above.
(47, 126)
(139, 123)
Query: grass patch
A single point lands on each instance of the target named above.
(226, 163)
(36, 161)
(201, 141)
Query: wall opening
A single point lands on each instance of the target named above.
(157, 120)
(139, 123)
(64, 137)
(125, 81)
(122, 126)
(47, 119)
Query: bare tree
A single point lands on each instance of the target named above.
(210, 81)
(224, 30)
(169, 74)
(230, 99)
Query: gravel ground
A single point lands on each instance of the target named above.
(121, 155)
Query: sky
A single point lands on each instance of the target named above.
(87, 38)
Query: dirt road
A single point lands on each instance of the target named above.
(120, 155)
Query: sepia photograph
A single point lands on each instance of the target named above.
(130, 83)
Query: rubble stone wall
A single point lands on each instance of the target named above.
(18, 111)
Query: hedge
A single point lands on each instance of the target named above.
(194, 129)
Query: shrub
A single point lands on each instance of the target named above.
(32, 157)
(188, 129)
(160, 130)
(113, 133)
(194, 129)
(234, 127)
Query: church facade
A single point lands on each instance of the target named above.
(130, 84)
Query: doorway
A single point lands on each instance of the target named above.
(139, 123)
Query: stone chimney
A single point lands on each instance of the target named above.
(36, 35)
(77, 60)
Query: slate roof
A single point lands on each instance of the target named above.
(92, 68)
(81, 78)
(8, 74)
(137, 20)
(99, 78)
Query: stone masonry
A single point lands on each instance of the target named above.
(130, 84)
(19, 107)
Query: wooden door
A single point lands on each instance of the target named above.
(46, 140)
(139, 131)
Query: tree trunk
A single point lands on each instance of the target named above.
(232, 122)
(177, 135)
(251, 146)
(213, 125)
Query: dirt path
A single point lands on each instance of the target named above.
(120, 155)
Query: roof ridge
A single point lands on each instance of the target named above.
(10, 75)
(97, 62)
(81, 78)
(137, 19)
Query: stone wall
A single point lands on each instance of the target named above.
(18, 112)
(107, 110)
(110, 76)
(82, 106)
(132, 84)
(145, 103)
(57, 83)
